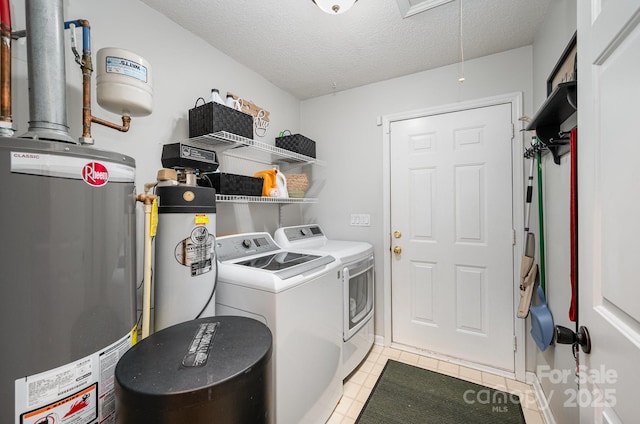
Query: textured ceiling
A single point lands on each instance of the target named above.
(309, 53)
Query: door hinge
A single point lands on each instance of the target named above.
(513, 131)
(513, 237)
(515, 344)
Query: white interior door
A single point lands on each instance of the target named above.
(451, 213)
(609, 209)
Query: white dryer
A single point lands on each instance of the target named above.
(297, 295)
(357, 275)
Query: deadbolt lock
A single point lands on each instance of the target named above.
(397, 250)
(397, 234)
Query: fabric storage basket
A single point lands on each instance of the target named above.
(213, 117)
(297, 184)
(297, 143)
(236, 184)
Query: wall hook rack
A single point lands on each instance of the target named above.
(559, 106)
(555, 145)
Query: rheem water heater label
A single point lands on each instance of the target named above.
(94, 173)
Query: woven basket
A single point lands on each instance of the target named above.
(213, 117)
(297, 182)
(236, 184)
(297, 143)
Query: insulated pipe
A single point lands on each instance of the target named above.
(86, 32)
(146, 290)
(147, 199)
(47, 77)
(6, 119)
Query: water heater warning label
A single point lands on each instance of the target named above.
(80, 407)
(81, 392)
(196, 251)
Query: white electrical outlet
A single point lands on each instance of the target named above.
(360, 219)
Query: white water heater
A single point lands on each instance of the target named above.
(185, 263)
(124, 83)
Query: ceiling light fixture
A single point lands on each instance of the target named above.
(334, 7)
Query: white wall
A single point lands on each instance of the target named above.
(343, 124)
(550, 41)
(350, 141)
(184, 68)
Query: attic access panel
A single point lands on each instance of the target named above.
(413, 7)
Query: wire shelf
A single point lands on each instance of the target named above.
(229, 198)
(222, 141)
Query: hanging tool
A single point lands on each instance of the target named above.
(573, 275)
(541, 219)
(527, 271)
(527, 215)
(542, 326)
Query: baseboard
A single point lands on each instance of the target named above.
(379, 340)
(543, 404)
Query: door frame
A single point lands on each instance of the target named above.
(515, 99)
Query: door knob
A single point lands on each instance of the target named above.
(397, 234)
(397, 250)
(565, 335)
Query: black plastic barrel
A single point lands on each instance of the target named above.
(210, 370)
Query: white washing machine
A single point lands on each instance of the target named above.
(297, 295)
(357, 275)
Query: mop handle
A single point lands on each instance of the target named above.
(529, 196)
(541, 220)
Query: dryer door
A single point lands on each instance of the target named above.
(358, 297)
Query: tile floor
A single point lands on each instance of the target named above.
(360, 383)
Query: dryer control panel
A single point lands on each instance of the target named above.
(289, 236)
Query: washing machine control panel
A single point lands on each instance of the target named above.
(244, 245)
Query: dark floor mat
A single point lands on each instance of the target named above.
(405, 394)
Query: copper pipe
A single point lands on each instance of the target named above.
(6, 118)
(126, 120)
(87, 117)
(83, 23)
(146, 198)
(5, 74)
(86, 96)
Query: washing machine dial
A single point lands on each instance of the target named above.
(246, 243)
(304, 231)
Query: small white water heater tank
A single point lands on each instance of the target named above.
(124, 82)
